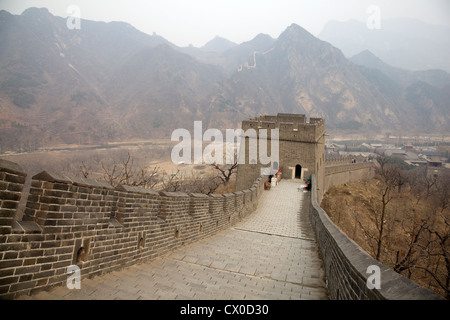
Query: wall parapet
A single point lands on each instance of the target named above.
(329, 170)
(292, 127)
(12, 181)
(75, 221)
(330, 161)
(346, 265)
(340, 174)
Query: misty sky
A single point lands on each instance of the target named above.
(195, 22)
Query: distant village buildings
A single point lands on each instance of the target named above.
(414, 155)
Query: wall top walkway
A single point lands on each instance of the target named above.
(271, 254)
(73, 221)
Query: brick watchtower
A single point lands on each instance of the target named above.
(301, 148)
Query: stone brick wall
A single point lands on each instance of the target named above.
(72, 221)
(12, 181)
(300, 143)
(342, 160)
(346, 265)
(344, 173)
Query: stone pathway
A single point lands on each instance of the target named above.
(270, 255)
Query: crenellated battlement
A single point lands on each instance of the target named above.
(301, 149)
(75, 221)
(292, 127)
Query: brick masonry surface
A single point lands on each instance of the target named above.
(72, 221)
(271, 254)
(300, 143)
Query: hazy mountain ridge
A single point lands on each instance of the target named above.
(111, 82)
(159, 89)
(434, 77)
(425, 94)
(305, 75)
(230, 59)
(218, 44)
(52, 77)
(404, 43)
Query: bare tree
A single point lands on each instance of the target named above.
(205, 185)
(387, 174)
(413, 229)
(225, 172)
(400, 178)
(178, 182)
(125, 172)
(172, 182)
(428, 248)
(440, 249)
(389, 177)
(85, 171)
(422, 183)
(441, 198)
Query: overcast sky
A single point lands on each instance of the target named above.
(195, 22)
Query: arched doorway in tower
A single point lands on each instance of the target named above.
(298, 171)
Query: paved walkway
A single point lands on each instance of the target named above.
(272, 255)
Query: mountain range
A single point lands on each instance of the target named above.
(110, 82)
(402, 42)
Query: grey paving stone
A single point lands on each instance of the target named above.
(271, 254)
